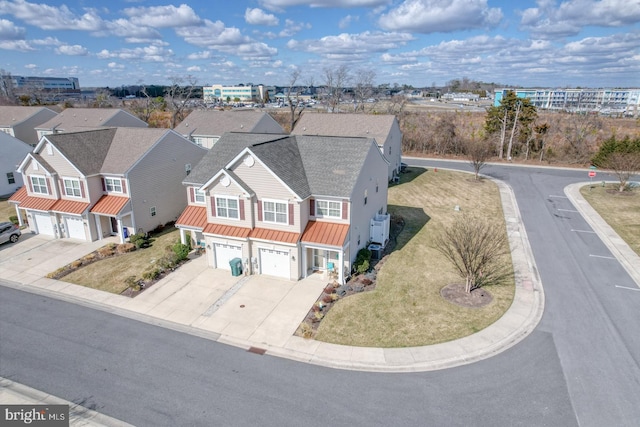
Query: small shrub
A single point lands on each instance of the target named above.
(89, 257)
(13, 219)
(125, 247)
(319, 316)
(106, 251)
(335, 297)
(327, 299)
(306, 330)
(168, 261)
(132, 282)
(329, 289)
(363, 259)
(139, 240)
(151, 274)
(181, 251)
(77, 263)
(366, 281)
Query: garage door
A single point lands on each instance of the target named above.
(274, 263)
(75, 228)
(225, 253)
(43, 224)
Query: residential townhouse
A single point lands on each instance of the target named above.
(12, 151)
(287, 206)
(20, 122)
(79, 119)
(383, 128)
(113, 181)
(205, 127)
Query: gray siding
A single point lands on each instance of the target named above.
(156, 180)
(26, 132)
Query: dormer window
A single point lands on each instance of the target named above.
(113, 185)
(198, 196)
(325, 208)
(39, 185)
(72, 187)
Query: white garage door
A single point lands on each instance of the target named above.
(43, 223)
(225, 253)
(274, 263)
(75, 228)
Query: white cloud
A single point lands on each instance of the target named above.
(283, 4)
(351, 44)
(145, 54)
(163, 16)
(431, 16)
(205, 54)
(72, 50)
(115, 66)
(347, 20)
(260, 17)
(31, 66)
(550, 22)
(9, 31)
(50, 17)
(212, 34)
(291, 28)
(18, 45)
(194, 69)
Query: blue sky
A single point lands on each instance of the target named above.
(555, 43)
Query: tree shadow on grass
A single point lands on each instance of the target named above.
(406, 222)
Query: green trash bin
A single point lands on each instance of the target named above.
(236, 266)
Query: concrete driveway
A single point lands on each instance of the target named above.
(242, 310)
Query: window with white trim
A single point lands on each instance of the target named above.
(328, 209)
(39, 184)
(72, 187)
(227, 207)
(113, 185)
(198, 196)
(273, 211)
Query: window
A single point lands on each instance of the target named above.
(275, 212)
(113, 184)
(198, 195)
(365, 196)
(227, 208)
(329, 209)
(389, 150)
(39, 185)
(152, 211)
(72, 187)
(10, 178)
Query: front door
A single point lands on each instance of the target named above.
(318, 259)
(114, 226)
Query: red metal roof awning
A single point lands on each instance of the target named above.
(69, 206)
(274, 235)
(109, 205)
(325, 233)
(19, 196)
(227, 230)
(37, 203)
(193, 216)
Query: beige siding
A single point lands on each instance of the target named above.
(58, 162)
(29, 170)
(361, 214)
(156, 180)
(232, 190)
(94, 188)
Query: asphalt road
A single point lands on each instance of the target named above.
(579, 367)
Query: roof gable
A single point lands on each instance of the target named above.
(74, 118)
(85, 150)
(217, 123)
(12, 115)
(377, 126)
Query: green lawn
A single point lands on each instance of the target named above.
(110, 274)
(406, 308)
(620, 211)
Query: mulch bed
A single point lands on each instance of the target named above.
(456, 294)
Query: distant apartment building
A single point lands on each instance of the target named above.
(461, 97)
(604, 101)
(246, 92)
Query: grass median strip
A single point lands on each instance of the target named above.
(406, 308)
(619, 210)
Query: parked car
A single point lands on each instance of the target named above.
(9, 232)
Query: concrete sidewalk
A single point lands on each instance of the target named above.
(263, 312)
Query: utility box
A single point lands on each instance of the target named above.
(236, 266)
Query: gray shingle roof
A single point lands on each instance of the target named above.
(12, 115)
(74, 118)
(376, 126)
(108, 150)
(216, 123)
(308, 165)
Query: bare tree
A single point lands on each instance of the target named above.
(335, 82)
(293, 98)
(624, 166)
(478, 152)
(477, 247)
(7, 91)
(103, 99)
(145, 106)
(177, 97)
(363, 87)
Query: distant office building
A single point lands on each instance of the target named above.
(248, 92)
(604, 101)
(58, 84)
